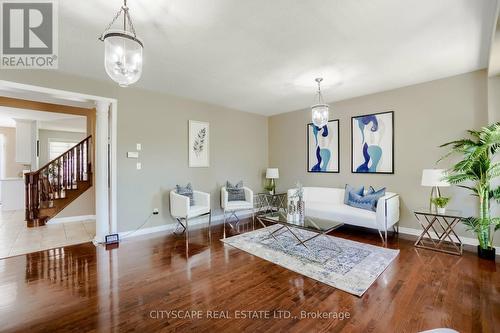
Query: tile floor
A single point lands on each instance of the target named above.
(16, 238)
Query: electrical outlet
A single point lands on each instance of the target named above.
(156, 211)
(138, 147)
(139, 166)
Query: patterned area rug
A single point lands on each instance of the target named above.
(340, 263)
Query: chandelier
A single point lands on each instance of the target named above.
(122, 50)
(320, 111)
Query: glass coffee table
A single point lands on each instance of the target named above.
(316, 225)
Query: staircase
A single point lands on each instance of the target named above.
(54, 186)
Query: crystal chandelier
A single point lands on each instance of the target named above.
(320, 111)
(122, 50)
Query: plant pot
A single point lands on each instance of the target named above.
(441, 211)
(488, 254)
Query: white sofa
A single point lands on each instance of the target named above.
(328, 203)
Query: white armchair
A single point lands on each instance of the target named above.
(232, 207)
(181, 209)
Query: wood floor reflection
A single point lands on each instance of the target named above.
(83, 288)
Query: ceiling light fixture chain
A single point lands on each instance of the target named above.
(320, 97)
(101, 37)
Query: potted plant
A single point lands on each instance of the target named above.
(441, 203)
(477, 169)
(269, 187)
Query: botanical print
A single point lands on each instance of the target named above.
(372, 143)
(323, 147)
(198, 144)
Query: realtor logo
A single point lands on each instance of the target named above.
(29, 34)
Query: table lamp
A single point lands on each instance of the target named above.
(272, 173)
(434, 178)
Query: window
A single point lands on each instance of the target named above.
(57, 148)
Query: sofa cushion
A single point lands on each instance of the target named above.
(368, 201)
(349, 189)
(342, 213)
(238, 205)
(235, 192)
(186, 191)
(197, 210)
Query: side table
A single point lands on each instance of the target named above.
(438, 231)
(266, 202)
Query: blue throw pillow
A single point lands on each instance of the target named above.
(235, 192)
(367, 201)
(350, 189)
(186, 191)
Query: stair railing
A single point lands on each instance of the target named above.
(51, 181)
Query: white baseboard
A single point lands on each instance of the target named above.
(171, 226)
(79, 218)
(465, 240)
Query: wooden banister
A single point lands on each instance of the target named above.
(55, 179)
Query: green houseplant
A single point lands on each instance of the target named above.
(477, 169)
(269, 187)
(441, 203)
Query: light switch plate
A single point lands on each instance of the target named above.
(139, 147)
(133, 154)
(139, 166)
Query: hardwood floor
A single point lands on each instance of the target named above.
(82, 288)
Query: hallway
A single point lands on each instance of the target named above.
(16, 238)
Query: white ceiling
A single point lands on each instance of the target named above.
(262, 56)
(47, 120)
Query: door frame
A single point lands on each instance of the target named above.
(109, 224)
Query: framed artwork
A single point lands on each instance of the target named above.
(372, 143)
(199, 144)
(323, 148)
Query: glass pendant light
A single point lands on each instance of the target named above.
(122, 50)
(320, 111)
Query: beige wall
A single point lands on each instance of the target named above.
(12, 169)
(45, 135)
(238, 146)
(494, 99)
(426, 115)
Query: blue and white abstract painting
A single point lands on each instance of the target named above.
(323, 147)
(373, 143)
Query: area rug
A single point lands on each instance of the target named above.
(340, 263)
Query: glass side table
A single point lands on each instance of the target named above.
(266, 202)
(438, 233)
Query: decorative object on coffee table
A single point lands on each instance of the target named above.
(434, 178)
(272, 174)
(199, 144)
(479, 169)
(372, 143)
(438, 231)
(323, 148)
(299, 196)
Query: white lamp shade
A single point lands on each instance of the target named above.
(320, 114)
(122, 57)
(434, 177)
(272, 173)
